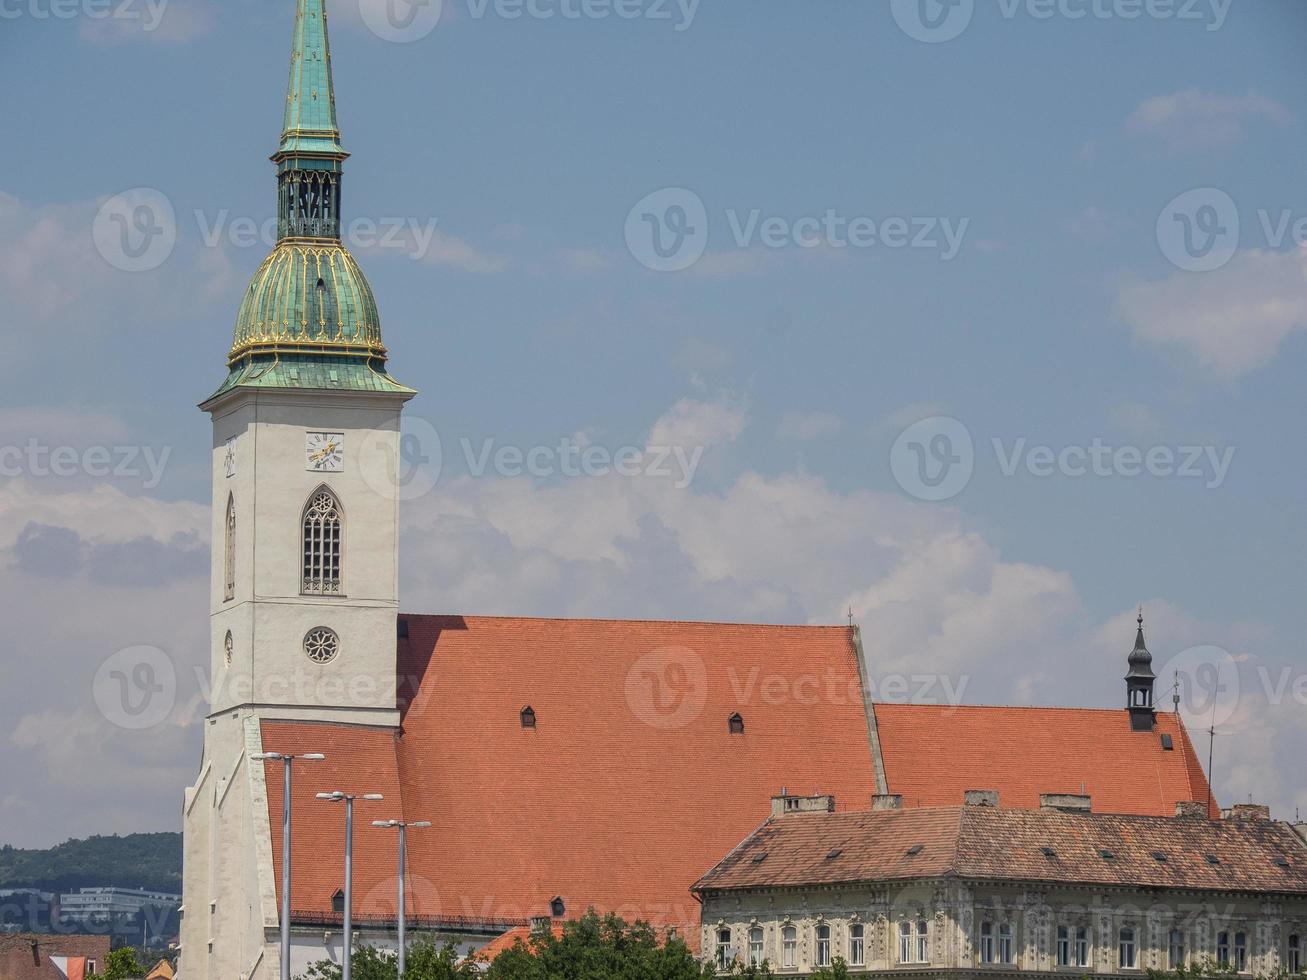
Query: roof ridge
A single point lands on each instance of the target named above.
(1012, 707)
(620, 620)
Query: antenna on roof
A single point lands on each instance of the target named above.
(850, 616)
(1175, 693)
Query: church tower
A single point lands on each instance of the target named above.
(305, 434)
(304, 597)
(1140, 682)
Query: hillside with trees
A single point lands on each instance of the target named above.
(149, 861)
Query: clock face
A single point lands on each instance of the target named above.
(325, 452)
(229, 462)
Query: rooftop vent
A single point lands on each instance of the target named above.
(735, 724)
(1066, 803)
(1048, 852)
(1168, 743)
(760, 857)
(557, 907)
(1282, 862)
(528, 717)
(1213, 859)
(833, 854)
(915, 849)
(887, 801)
(786, 805)
(1107, 855)
(1159, 856)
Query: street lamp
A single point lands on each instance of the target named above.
(403, 838)
(286, 761)
(348, 799)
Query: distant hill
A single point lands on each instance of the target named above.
(149, 861)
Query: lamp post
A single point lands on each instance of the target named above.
(403, 840)
(348, 799)
(285, 761)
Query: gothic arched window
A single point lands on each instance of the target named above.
(229, 552)
(323, 537)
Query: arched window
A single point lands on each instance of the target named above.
(857, 945)
(528, 717)
(1006, 952)
(789, 947)
(229, 552)
(1241, 952)
(1295, 954)
(823, 945)
(905, 942)
(923, 941)
(1178, 957)
(987, 942)
(1223, 948)
(755, 946)
(323, 535)
(735, 724)
(558, 908)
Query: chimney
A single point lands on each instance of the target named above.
(1252, 812)
(1301, 830)
(1190, 810)
(541, 925)
(1066, 803)
(784, 806)
(982, 797)
(887, 801)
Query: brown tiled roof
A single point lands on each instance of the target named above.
(935, 753)
(27, 957)
(603, 804)
(988, 844)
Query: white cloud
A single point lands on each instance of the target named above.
(691, 424)
(1195, 119)
(807, 426)
(1232, 320)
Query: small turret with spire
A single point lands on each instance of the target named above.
(1140, 682)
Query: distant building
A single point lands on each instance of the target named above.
(42, 957)
(105, 906)
(975, 890)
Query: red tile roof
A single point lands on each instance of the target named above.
(933, 754)
(988, 844)
(509, 939)
(631, 784)
(27, 957)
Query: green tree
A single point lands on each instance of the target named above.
(600, 948)
(1210, 969)
(425, 961)
(122, 964)
(836, 971)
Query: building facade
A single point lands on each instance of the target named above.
(976, 890)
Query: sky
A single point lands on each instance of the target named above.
(983, 321)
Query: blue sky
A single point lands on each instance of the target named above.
(1056, 145)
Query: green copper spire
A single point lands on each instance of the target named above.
(310, 125)
(309, 319)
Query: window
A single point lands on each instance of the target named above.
(1241, 952)
(857, 946)
(905, 942)
(1294, 961)
(321, 645)
(1129, 949)
(229, 552)
(735, 724)
(1177, 954)
(322, 544)
(987, 942)
(1005, 943)
(338, 901)
(724, 956)
(528, 717)
(228, 648)
(1063, 946)
(823, 945)
(923, 942)
(789, 947)
(557, 908)
(755, 946)
(1223, 948)
(1082, 946)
